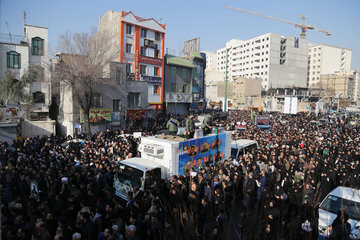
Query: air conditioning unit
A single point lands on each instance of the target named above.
(152, 149)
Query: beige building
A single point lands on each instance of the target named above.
(339, 84)
(326, 59)
(242, 93)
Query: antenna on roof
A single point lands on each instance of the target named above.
(8, 30)
(24, 18)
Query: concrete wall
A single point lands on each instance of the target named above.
(7, 132)
(34, 128)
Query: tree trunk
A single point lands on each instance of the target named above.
(87, 128)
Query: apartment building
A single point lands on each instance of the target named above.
(326, 59)
(278, 60)
(140, 43)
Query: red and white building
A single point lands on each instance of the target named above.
(141, 44)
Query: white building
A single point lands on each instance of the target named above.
(16, 56)
(281, 62)
(210, 60)
(326, 59)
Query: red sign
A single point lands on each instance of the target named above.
(150, 60)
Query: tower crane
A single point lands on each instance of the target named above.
(302, 26)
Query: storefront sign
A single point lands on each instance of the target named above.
(149, 60)
(152, 79)
(9, 114)
(178, 97)
(97, 115)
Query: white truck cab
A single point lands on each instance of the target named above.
(340, 199)
(164, 156)
(242, 146)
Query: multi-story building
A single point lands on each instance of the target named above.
(339, 84)
(245, 92)
(116, 100)
(31, 50)
(178, 84)
(210, 60)
(326, 59)
(279, 61)
(140, 43)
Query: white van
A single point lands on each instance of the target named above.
(242, 146)
(340, 199)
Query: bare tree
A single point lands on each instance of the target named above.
(81, 67)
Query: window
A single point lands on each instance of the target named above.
(128, 48)
(156, 71)
(13, 59)
(96, 100)
(156, 53)
(173, 71)
(128, 29)
(142, 69)
(116, 105)
(157, 36)
(156, 89)
(143, 33)
(39, 97)
(128, 68)
(133, 99)
(184, 72)
(118, 75)
(173, 87)
(37, 46)
(143, 51)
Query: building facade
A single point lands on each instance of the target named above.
(115, 101)
(178, 84)
(279, 61)
(326, 59)
(31, 50)
(140, 43)
(340, 84)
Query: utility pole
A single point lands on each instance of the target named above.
(226, 63)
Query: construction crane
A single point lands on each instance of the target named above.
(302, 26)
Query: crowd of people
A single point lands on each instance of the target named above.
(51, 190)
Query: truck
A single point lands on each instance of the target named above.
(164, 156)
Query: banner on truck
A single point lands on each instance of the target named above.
(195, 153)
(262, 120)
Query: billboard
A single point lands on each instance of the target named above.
(9, 114)
(97, 115)
(195, 153)
(290, 105)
